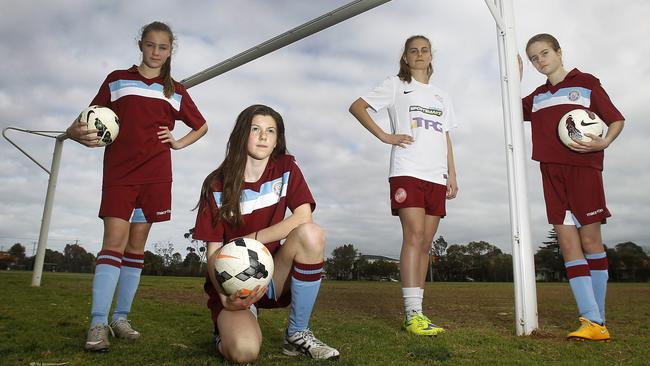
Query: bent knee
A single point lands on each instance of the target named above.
(311, 236)
(241, 351)
(311, 233)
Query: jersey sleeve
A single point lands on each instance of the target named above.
(451, 121)
(204, 229)
(527, 106)
(382, 96)
(602, 105)
(103, 97)
(298, 192)
(189, 113)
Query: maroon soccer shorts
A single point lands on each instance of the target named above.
(575, 189)
(138, 203)
(413, 192)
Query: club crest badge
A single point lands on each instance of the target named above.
(400, 195)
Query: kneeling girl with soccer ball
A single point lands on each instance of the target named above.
(247, 196)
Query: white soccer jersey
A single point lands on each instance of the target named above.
(423, 111)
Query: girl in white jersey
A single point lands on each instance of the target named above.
(422, 171)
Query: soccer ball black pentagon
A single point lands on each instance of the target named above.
(243, 264)
(104, 120)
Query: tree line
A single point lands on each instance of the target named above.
(474, 261)
(483, 262)
(163, 261)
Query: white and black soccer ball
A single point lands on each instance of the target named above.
(104, 120)
(243, 264)
(574, 124)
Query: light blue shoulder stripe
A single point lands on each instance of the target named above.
(563, 92)
(277, 186)
(155, 87)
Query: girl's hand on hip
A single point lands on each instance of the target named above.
(400, 140)
(165, 136)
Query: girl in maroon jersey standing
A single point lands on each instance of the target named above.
(136, 190)
(572, 176)
(247, 196)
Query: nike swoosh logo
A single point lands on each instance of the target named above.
(603, 331)
(408, 91)
(94, 343)
(587, 124)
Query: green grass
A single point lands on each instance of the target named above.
(362, 319)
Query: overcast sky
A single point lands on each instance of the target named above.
(55, 55)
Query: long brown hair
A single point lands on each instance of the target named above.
(231, 171)
(404, 71)
(166, 69)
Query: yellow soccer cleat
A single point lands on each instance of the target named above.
(420, 325)
(590, 331)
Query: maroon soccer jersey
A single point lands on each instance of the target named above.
(137, 156)
(548, 103)
(263, 203)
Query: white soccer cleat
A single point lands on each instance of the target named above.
(304, 342)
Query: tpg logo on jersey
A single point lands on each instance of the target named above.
(422, 118)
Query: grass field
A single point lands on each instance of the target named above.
(362, 319)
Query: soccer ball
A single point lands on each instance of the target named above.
(243, 264)
(104, 120)
(576, 123)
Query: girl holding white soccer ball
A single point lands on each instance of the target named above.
(247, 197)
(562, 111)
(137, 178)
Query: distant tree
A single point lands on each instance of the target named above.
(341, 265)
(482, 258)
(548, 259)
(153, 264)
(177, 259)
(439, 247)
(199, 248)
(458, 263)
(54, 258)
(553, 243)
(633, 262)
(192, 263)
(76, 259)
(165, 250)
(437, 264)
(18, 251)
(381, 269)
(503, 268)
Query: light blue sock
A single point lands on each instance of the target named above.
(305, 284)
(107, 272)
(598, 267)
(126, 289)
(580, 281)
